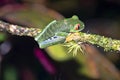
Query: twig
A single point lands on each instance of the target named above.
(18, 30)
(106, 43)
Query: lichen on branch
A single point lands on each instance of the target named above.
(107, 43)
(19, 30)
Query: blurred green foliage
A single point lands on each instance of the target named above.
(2, 36)
(10, 73)
(100, 16)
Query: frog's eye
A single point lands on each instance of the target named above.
(77, 27)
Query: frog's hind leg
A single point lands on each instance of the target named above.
(52, 41)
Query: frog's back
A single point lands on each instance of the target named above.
(59, 26)
(51, 29)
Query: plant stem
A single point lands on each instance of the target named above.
(108, 44)
(105, 42)
(18, 30)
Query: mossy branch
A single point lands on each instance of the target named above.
(105, 42)
(19, 30)
(108, 44)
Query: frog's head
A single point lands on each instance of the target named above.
(75, 24)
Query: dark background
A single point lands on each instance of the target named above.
(19, 63)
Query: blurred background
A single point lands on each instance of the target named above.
(21, 58)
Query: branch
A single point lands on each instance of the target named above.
(108, 44)
(105, 42)
(18, 30)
